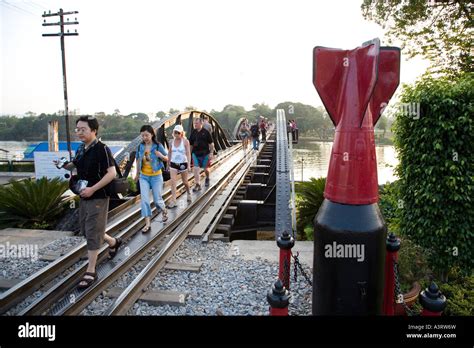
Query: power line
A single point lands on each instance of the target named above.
(33, 6)
(36, 5)
(61, 35)
(19, 8)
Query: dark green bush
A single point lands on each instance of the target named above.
(30, 203)
(412, 264)
(310, 196)
(389, 205)
(436, 170)
(459, 295)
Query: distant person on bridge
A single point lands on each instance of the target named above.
(151, 156)
(96, 167)
(207, 126)
(263, 129)
(244, 133)
(255, 131)
(179, 159)
(202, 152)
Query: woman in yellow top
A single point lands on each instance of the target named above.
(151, 156)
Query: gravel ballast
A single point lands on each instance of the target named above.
(225, 285)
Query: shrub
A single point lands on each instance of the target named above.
(412, 264)
(436, 170)
(389, 205)
(310, 197)
(30, 203)
(459, 295)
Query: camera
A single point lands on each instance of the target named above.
(61, 162)
(81, 185)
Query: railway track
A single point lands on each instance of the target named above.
(124, 221)
(133, 292)
(62, 298)
(66, 299)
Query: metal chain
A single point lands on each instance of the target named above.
(303, 272)
(286, 274)
(398, 292)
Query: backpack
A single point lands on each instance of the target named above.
(255, 131)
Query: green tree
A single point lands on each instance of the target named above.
(140, 116)
(382, 124)
(160, 115)
(436, 170)
(308, 118)
(439, 31)
(229, 116)
(173, 111)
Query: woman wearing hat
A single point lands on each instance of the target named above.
(179, 157)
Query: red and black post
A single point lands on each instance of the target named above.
(279, 299)
(392, 245)
(432, 301)
(355, 86)
(285, 242)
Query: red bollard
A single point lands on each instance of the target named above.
(279, 299)
(433, 301)
(285, 242)
(393, 245)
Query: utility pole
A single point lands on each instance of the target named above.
(302, 167)
(62, 34)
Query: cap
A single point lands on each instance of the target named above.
(178, 128)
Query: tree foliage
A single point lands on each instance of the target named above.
(120, 127)
(436, 170)
(440, 31)
(308, 118)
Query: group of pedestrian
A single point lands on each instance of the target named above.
(253, 131)
(95, 167)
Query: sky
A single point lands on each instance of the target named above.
(147, 56)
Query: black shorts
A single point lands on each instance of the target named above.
(180, 167)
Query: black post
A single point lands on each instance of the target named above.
(62, 34)
(63, 56)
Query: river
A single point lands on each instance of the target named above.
(311, 159)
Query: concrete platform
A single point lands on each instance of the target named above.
(268, 250)
(27, 236)
(5, 177)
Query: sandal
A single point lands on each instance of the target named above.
(113, 250)
(171, 205)
(164, 217)
(146, 229)
(88, 279)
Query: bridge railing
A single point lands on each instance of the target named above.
(285, 214)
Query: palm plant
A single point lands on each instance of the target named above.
(310, 197)
(32, 203)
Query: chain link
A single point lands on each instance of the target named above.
(398, 292)
(286, 274)
(303, 272)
